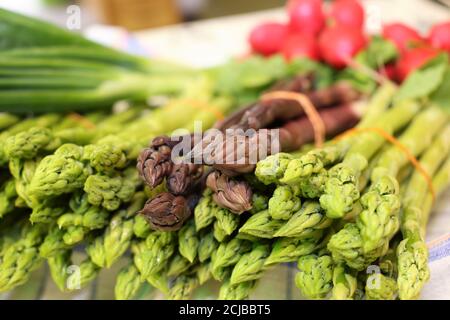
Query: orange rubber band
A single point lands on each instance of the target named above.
(310, 111)
(399, 145)
(202, 106)
(83, 121)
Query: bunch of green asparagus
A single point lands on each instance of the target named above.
(68, 181)
(353, 214)
(71, 180)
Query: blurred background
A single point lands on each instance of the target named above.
(199, 33)
(138, 14)
(145, 14)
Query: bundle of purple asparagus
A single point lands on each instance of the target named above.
(235, 145)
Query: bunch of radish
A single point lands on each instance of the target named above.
(337, 34)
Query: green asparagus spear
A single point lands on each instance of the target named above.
(159, 281)
(188, 241)
(344, 283)
(46, 120)
(27, 144)
(203, 272)
(141, 227)
(313, 186)
(47, 211)
(117, 239)
(207, 246)
(81, 275)
(204, 213)
(238, 291)
(62, 172)
(381, 204)
(23, 171)
(59, 264)
(7, 196)
(221, 273)
(271, 169)
(313, 162)
(74, 235)
(261, 225)
(53, 243)
(309, 218)
(341, 188)
(380, 287)
(93, 218)
(315, 278)
(245, 236)
(388, 263)
(291, 249)
(440, 181)
(109, 191)
(346, 246)
(159, 247)
(219, 234)
(21, 258)
(128, 283)
(178, 265)
(7, 120)
(284, 203)
(251, 265)
(228, 254)
(226, 220)
(105, 157)
(259, 203)
(393, 159)
(113, 243)
(183, 287)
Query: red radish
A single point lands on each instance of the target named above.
(347, 13)
(300, 45)
(306, 16)
(389, 71)
(402, 35)
(268, 37)
(414, 59)
(439, 36)
(339, 44)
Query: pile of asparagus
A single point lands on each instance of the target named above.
(175, 255)
(357, 205)
(68, 182)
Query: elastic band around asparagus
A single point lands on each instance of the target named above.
(310, 110)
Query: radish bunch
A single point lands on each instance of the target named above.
(336, 35)
(415, 49)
